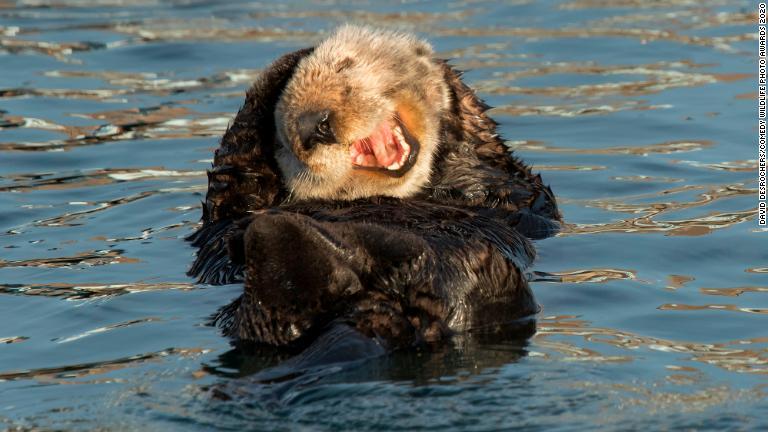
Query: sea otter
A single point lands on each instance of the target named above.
(362, 187)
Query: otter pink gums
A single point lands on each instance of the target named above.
(386, 147)
(363, 187)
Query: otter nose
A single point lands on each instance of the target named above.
(315, 128)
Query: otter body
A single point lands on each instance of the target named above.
(363, 185)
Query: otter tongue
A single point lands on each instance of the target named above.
(384, 145)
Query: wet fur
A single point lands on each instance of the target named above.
(448, 257)
(364, 77)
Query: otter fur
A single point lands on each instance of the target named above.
(363, 185)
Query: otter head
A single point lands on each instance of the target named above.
(360, 117)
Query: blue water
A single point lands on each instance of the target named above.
(641, 116)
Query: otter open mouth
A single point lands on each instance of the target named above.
(390, 149)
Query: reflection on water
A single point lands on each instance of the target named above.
(93, 258)
(639, 114)
(743, 355)
(67, 374)
(87, 291)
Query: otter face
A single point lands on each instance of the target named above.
(361, 117)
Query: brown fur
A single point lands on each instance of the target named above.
(444, 253)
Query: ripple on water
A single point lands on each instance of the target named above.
(639, 114)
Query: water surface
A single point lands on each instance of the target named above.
(641, 116)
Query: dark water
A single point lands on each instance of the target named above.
(640, 114)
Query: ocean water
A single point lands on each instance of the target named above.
(640, 115)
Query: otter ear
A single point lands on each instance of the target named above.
(468, 112)
(245, 176)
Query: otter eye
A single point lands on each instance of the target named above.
(324, 126)
(315, 128)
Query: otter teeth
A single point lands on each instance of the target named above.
(372, 154)
(406, 149)
(406, 152)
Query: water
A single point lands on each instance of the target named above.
(641, 116)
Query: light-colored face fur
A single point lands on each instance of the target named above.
(363, 77)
